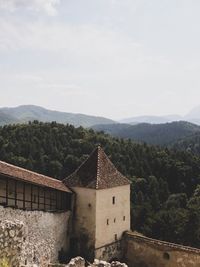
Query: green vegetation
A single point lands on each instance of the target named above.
(155, 134)
(165, 195)
(190, 144)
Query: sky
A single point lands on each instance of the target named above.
(112, 58)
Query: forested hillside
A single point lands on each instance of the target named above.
(165, 196)
(26, 113)
(190, 144)
(156, 134)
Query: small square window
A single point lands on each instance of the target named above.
(113, 200)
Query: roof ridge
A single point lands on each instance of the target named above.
(29, 171)
(98, 167)
(112, 164)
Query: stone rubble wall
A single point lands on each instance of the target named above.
(11, 242)
(35, 237)
(80, 262)
(110, 251)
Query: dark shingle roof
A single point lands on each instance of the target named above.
(31, 177)
(97, 172)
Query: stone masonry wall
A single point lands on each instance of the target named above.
(110, 251)
(11, 242)
(37, 236)
(146, 252)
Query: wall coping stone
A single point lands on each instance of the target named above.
(161, 243)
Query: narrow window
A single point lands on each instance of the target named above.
(113, 200)
(114, 220)
(107, 221)
(124, 218)
(115, 237)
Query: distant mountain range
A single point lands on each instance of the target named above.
(30, 112)
(156, 134)
(156, 130)
(193, 116)
(151, 119)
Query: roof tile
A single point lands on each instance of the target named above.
(97, 172)
(31, 177)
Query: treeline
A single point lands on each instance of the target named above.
(165, 195)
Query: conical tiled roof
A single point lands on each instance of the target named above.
(97, 172)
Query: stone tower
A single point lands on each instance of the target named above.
(101, 208)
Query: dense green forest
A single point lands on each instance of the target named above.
(165, 195)
(190, 143)
(154, 134)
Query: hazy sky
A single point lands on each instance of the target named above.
(116, 58)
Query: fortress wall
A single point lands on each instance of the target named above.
(37, 236)
(11, 240)
(110, 252)
(146, 252)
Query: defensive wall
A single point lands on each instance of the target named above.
(33, 237)
(141, 251)
(110, 251)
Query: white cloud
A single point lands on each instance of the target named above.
(47, 6)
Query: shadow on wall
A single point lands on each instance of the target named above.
(81, 246)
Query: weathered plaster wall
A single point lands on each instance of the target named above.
(100, 220)
(44, 234)
(112, 219)
(145, 252)
(84, 221)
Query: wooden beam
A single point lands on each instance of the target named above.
(62, 202)
(7, 191)
(24, 195)
(38, 197)
(56, 199)
(15, 193)
(31, 197)
(44, 198)
(50, 193)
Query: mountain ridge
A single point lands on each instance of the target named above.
(25, 113)
(155, 134)
(192, 116)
